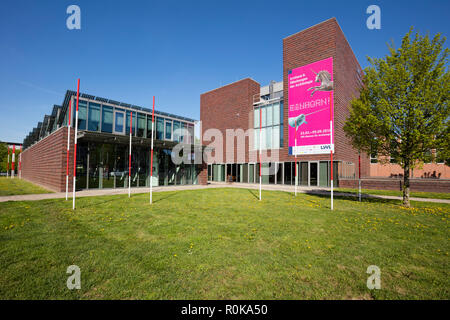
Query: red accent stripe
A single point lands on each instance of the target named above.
(13, 157)
(260, 142)
(75, 145)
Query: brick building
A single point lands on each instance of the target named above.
(103, 147)
(237, 106)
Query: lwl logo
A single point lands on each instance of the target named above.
(325, 147)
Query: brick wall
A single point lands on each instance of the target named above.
(45, 162)
(316, 43)
(231, 106)
(425, 185)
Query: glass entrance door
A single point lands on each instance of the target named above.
(313, 173)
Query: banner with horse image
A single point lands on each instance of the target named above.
(310, 90)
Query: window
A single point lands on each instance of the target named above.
(82, 114)
(168, 130)
(190, 134)
(107, 119)
(119, 122)
(127, 124)
(183, 132)
(373, 157)
(272, 128)
(176, 131)
(94, 117)
(160, 128)
(141, 125)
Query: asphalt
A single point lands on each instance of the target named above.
(106, 192)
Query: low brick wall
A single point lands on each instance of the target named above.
(426, 185)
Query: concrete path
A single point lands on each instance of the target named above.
(107, 192)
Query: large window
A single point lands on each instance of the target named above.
(94, 117)
(127, 124)
(107, 119)
(82, 114)
(141, 125)
(168, 130)
(176, 131)
(160, 128)
(272, 126)
(183, 132)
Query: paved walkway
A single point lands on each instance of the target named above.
(106, 192)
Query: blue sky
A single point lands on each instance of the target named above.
(131, 50)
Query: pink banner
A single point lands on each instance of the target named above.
(310, 99)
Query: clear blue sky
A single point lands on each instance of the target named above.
(131, 50)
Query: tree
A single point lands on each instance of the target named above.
(3, 156)
(402, 111)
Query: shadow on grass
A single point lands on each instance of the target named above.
(365, 197)
(98, 203)
(166, 197)
(253, 194)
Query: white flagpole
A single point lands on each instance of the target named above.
(295, 153)
(7, 165)
(260, 147)
(151, 156)
(75, 148)
(20, 163)
(331, 145)
(13, 162)
(68, 147)
(129, 156)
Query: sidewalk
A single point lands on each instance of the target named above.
(267, 187)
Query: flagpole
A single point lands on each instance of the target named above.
(68, 147)
(331, 145)
(260, 147)
(129, 157)
(75, 148)
(7, 165)
(20, 163)
(151, 156)
(13, 162)
(359, 177)
(295, 153)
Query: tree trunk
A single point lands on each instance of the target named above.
(406, 186)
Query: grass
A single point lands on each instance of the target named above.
(16, 186)
(223, 244)
(413, 194)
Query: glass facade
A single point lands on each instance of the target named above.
(103, 165)
(272, 126)
(309, 173)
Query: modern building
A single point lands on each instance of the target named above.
(103, 146)
(238, 106)
(233, 111)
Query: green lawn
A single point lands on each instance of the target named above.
(223, 244)
(415, 194)
(16, 186)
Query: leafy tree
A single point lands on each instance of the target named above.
(3, 156)
(403, 111)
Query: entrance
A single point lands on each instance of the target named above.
(313, 173)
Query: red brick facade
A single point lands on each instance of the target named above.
(425, 185)
(45, 162)
(231, 106)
